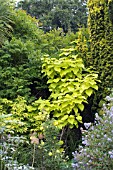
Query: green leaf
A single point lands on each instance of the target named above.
(80, 106)
(84, 86)
(89, 91)
(63, 80)
(71, 119)
(70, 88)
(95, 87)
(50, 67)
(56, 80)
(50, 81)
(57, 69)
(31, 108)
(57, 114)
(75, 71)
(75, 94)
(76, 123)
(60, 126)
(72, 116)
(64, 117)
(53, 85)
(54, 95)
(77, 101)
(64, 104)
(50, 73)
(63, 72)
(79, 118)
(75, 109)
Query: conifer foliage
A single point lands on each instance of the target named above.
(101, 35)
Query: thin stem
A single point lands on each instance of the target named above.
(33, 155)
(62, 134)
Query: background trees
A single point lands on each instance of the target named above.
(66, 14)
(5, 20)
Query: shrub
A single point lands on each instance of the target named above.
(21, 118)
(70, 84)
(44, 151)
(20, 67)
(20, 64)
(26, 27)
(98, 141)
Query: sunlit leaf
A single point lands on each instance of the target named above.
(89, 91)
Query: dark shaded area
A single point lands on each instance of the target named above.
(39, 91)
(72, 139)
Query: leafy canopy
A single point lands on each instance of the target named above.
(65, 14)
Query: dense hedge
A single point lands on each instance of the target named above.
(101, 35)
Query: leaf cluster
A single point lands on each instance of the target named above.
(70, 84)
(20, 118)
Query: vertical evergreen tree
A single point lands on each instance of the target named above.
(101, 36)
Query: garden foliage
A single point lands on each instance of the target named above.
(37, 153)
(98, 141)
(101, 35)
(45, 83)
(5, 20)
(68, 15)
(23, 118)
(70, 84)
(20, 62)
